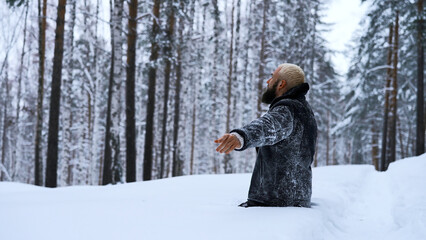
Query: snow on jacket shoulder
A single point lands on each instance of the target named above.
(285, 138)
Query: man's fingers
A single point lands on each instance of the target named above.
(231, 148)
(229, 144)
(222, 146)
(224, 137)
(222, 140)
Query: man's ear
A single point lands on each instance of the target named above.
(282, 85)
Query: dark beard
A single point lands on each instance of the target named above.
(269, 95)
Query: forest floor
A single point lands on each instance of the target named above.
(349, 202)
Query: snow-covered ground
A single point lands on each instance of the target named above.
(349, 202)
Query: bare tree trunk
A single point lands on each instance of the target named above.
(167, 70)
(38, 175)
(334, 159)
(89, 88)
(195, 87)
(246, 75)
(407, 146)
(216, 59)
(374, 146)
(227, 157)
(349, 152)
(420, 124)
(401, 142)
(149, 130)
(94, 153)
(191, 166)
(333, 139)
(313, 50)
(262, 59)
(16, 146)
(327, 149)
(52, 148)
(116, 104)
(393, 103)
(105, 174)
(112, 168)
(107, 162)
(384, 157)
(130, 93)
(68, 113)
(5, 126)
(237, 113)
(177, 163)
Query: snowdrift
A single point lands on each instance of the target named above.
(349, 202)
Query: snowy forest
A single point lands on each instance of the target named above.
(95, 92)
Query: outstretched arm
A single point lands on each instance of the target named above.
(274, 126)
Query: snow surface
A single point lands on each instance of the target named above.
(349, 202)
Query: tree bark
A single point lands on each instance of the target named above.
(262, 59)
(227, 157)
(130, 94)
(420, 124)
(384, 157)
(167, 70)
(311, 75)
(246, 73)
(68, 113)
(327, 140)
(94, 152)
(334, 159)
(111, 166)
(105, 174)
(194, 114)
(52, 147)
(14, 159)
(401, 143)
(5, 126)
(215, 83)
(200, 57)
(393, 103)
(149, 128)
(38, 175)
(177, 163)
(106, 166)
(374, 146)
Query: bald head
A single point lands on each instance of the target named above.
(284, 78)
(292, 74)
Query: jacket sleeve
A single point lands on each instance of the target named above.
(274, 126)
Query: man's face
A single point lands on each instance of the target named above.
(271, 90)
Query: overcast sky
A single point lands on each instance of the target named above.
(345, 16)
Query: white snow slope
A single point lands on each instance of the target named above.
(350, 202)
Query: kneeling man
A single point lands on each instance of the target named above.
(284, 139)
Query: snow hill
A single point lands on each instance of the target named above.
(350, 202)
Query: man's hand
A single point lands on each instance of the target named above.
(228, 143)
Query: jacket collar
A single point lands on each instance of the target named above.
(298, 91)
